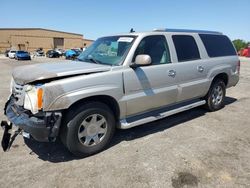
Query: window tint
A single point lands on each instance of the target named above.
(156, 47)
(217, 45)
(186, 47)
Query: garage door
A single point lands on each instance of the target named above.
(59, 43)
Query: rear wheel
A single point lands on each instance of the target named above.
(88, 129)
(216, 95)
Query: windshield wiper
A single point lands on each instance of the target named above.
(89, 59)
(93, 60)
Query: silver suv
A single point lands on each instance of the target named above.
(121, 81)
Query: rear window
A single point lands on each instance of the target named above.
(217, 45)
(186, 48)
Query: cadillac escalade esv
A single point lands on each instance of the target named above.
(121, 81)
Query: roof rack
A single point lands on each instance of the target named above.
(188, 31)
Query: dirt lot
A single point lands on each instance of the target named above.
(191, 149)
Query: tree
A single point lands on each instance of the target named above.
(239, 44)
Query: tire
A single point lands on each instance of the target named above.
(80, 132)
(216, 95)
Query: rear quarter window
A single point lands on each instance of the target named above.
(217, 45)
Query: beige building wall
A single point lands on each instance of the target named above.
(87, 42)
(33, 38)
(72, 43)
(31, 43)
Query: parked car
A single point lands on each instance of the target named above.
(72, 53)
(6, 53)
(22, 55)
(122, 81)
(52, 53)
(60, 51)
(39, 52)
(11, 54)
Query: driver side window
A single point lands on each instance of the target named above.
(156, 47)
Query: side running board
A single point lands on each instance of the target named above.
(142, 119)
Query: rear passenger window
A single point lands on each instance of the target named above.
(217, 45)
(186, 47)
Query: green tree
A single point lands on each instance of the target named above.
(239, 44)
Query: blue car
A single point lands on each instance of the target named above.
(72, 53)
(22, 55)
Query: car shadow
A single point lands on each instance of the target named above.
(55, 152)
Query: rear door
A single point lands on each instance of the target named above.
(153, 86)
(191, 69)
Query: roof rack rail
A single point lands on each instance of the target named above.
(188, 31)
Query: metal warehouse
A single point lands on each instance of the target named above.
(31, 39)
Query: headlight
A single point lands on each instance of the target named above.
(33, 99)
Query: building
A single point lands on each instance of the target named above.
(87, 42)
(31, 39)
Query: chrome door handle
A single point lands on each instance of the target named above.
(200, 68)
(171, 73)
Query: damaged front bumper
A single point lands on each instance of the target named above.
(43, 126)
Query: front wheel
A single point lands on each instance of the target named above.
(88, 129)
(216, 95)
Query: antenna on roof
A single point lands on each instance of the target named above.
(132, 30)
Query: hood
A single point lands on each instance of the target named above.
(30, 73)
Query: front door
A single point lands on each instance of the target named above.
(153, 86)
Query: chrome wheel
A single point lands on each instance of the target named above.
(92, 130)
(217, 95)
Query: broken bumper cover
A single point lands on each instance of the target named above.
(42, 127)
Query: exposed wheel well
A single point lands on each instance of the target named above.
(222, 76)
(109, 101)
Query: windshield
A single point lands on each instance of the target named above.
(108, 50)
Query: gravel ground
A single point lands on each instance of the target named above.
(190, 149)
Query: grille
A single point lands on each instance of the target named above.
(18, 93)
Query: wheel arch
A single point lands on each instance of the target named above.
(222, 76)
(108, 100)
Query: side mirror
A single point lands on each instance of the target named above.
(141, 60)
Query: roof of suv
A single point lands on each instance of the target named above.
(173, 31)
